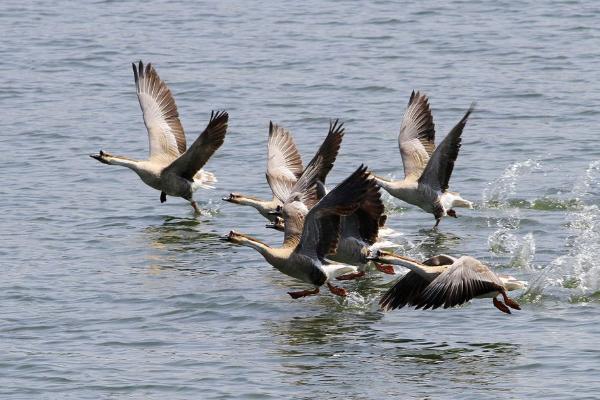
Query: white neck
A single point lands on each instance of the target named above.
(423, 271)
(125, 162)
(257, 245)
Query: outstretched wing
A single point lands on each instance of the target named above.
(321, 230)
(165, 133)
(283, 158)
(466, 279)
(316, 170)
(417, 136)
(407, 291)
(439, 168)
(365, 222)
(203, 148)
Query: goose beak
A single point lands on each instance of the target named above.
(226, 238)
(100, 157)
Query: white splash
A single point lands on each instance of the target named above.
(505, 241)
(577, 273)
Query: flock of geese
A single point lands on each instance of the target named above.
(328, 235)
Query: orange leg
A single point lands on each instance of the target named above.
(350, 276)
(510, 302)
(501, 306)
(385, 268)
(303, 293)
(337, 290)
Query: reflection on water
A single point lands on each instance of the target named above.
(180, 237)
(436, 241)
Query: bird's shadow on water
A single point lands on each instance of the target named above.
(178, 239)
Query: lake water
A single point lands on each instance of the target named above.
(106, 293)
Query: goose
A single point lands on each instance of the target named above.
(170, 168)
(427, 169)
(358, 235)
(284, 163)
(446, 281)
(310, 237)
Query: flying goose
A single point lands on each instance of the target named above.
(427, 169)
(359, 233)
(446, 281)
(284, 164)
(310, 237)
(170, 168)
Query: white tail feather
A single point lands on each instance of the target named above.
(203, 179)
(452, 199)
(334, 270)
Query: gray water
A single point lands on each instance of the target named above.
(106, 293)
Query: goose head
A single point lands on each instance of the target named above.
(103, 157)
(278, 224)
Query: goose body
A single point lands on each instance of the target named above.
(171, 168)
(446, 281)
(311, 236)
(427, 169)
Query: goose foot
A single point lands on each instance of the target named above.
(350, 276)
(196, 209)
(437, 222)
(303, 293)
(451, 213)
(501, 306)
(385, 268)
(338, 291)
(510, 302)
(163, 197)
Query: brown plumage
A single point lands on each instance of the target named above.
(190, 162)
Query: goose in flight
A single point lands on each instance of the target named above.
(446, 281)
(427, 169)
(311, 236)
(170, 168)
(359, 235)
(284, 164)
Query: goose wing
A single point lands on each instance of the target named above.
(465, 279)
(365, 222)
(316, 170)
(283, 158)
(439, 168)
(321, 229)
(203, 147)
(407, 291)
(417, 136)
(165, 133)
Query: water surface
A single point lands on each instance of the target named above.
(106, 293)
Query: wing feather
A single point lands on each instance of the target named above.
(321, 230)
(417, 136)
(407, 291)
(190, 162)
(439, 168)
(466, 279)
(165, 132)
(283, 158)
